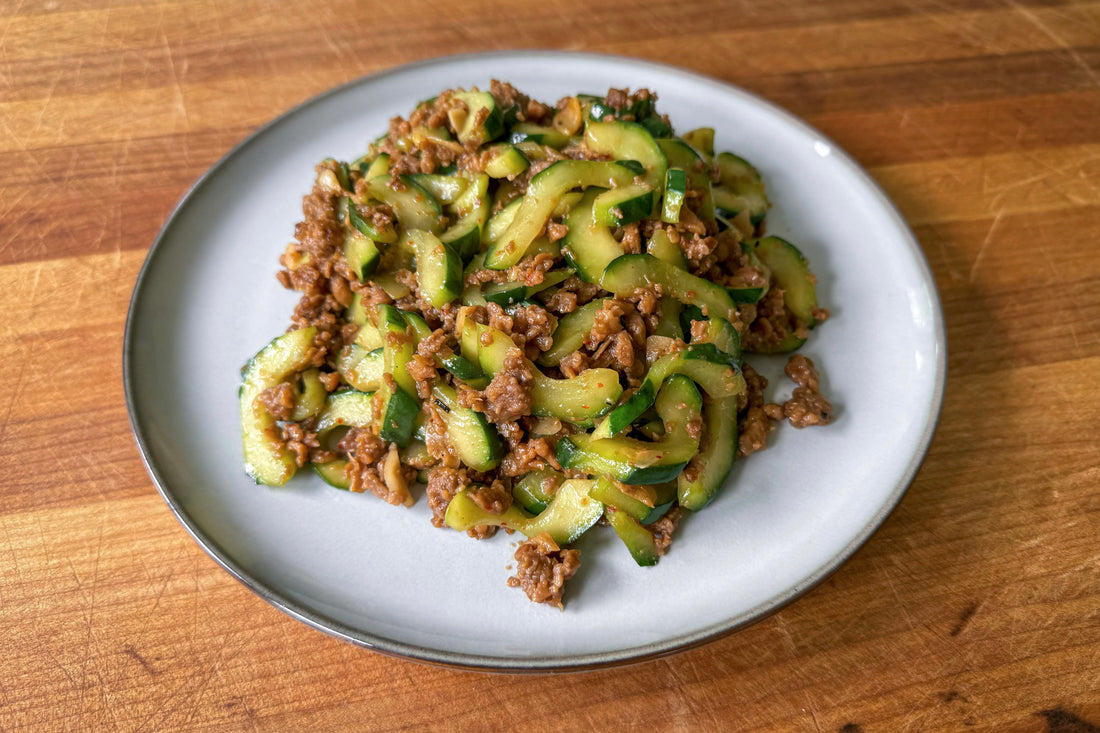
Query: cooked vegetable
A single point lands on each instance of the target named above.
(539, 312)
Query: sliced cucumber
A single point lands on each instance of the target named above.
(638, 540)
(683, 156)
(362, 255)
(708, 470)
(791, 271)
(569, 515)
(506, 161)
(543, 196)
(415, 207)
(663, 248)
(530, 132)
(309, 397)
(628, 141)
(334, 473)
(741, 189)
(638, 462)
(623, 205)
(266, 459)
(475, 126)
(702, 139)
(361, 368)
(570, 332)
(536, 489)
(356, 222)
(514, 292)
(474, 440)
(630, 272)
(438, 268)
(675, 191)
(588, 246)
(580, 399)
(351, 408)
(380, 166)
(445, 189)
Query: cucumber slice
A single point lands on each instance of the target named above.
(474, 440)
(634, 461)
(530, 132)
(457, 365)
(629, 272)
(741, 189)
(702, 139)
(703, 363)
(501, 220)
(570, 332)
(445, 189)
(380, 166)
(309, 397)
(707, 471)
(266, 460)
(401, 407)
(398, 416)
(675, 190)
(415, 207)
(351, 408)
(661, 247)
(589, 247)
(514, 292)
(355, 220)
(791, 271)
(638, 540)
(580, 399)
(361, 368)
(569, 515)
(623, 205)
(536, 489)
(438, 268)
(543, 196)
(334, 473)
(683, 156)
(628, 141)
(362, 255)
(506, 161)
(476, 127)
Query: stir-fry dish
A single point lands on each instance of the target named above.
(537, 314)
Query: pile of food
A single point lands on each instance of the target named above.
(539, 313)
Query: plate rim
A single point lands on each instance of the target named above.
(544, 663)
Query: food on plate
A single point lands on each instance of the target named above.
(538, 314)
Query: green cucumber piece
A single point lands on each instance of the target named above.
(475, 128)
(683, 156)
(398, 416)
(530, 132)
(506, 161)
(623, 205)
(790, 271)
(589, 247)
(707, 471)
(663, 248)
(569, 515)
(350, 408)
(334, 473)
(628, 141)
(362, 255)
(580, 399)
(474, 440)
(309, 397)
(500, 221)
(543, 196)
(629, 272)
(536, 489)
(741, 189)
(703, 363)
(702, 139)
(361, 368)
(633, 461)
(438, 267)
(266, 460)
(415, 207)
(570, 332)
(675, 191)
(514, 292)
(445, 189)
(638, 540)
(380, 166)
(356, 222)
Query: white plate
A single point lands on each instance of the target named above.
(383, 577)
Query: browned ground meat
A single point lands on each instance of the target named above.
(278, 400)
(542, 569)
(806, 406)
(663, 527)
(508, 396)
(494, 498)
(756, 420)
(443, 484)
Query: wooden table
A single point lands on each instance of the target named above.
(974, 607)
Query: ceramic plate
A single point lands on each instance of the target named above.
(383, 577)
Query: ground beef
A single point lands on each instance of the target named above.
(443, 484)
(573, 364)
(807, 406)
(756, 418)
(530, 327)
(542, 569)
(535, 454)
(508, 395)
(494, 498)
(663, 527)
(375, 466)
(278, 400)
(773, 324)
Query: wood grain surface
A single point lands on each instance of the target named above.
(975, 607)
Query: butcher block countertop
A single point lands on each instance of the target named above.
(976, 605)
